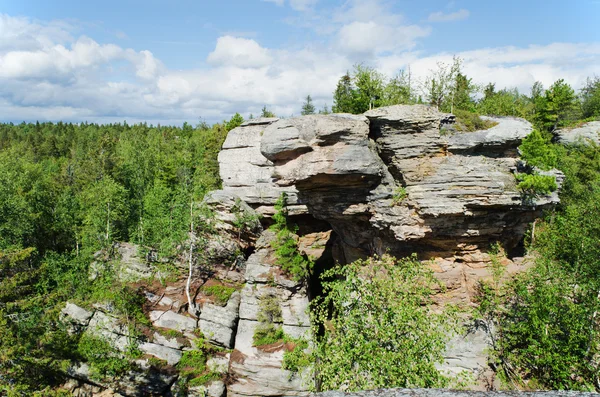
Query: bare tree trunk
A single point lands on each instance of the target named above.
(108, 222)
(191, 305)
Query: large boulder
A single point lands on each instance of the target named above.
(588, 132)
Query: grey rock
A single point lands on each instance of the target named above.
(452, 393)
(245, 172)
(76, 314)
(168, 342)
(501, 140)
(218, 323)
(171, 320)
(170, 355)
(143, 381)
(588, 132)
(110, 329)
(215, 388)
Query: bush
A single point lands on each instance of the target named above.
(468, 122)
(288, 257)
(269, 315)
(105, 361)
(535, 185)
(377, 329)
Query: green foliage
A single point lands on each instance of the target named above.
(557, 106)
(307, 106)
(534, 185)
(546, 319)
(220, 293)
(506, 102)
(269, 329)
(267, 334)
(377, 328)
(537, 151)
(400, 194)
(590, 98)
(67, 190)
(235, 121)
(105, 361)
(469, 122)
(288, 257)
(266, 112)
(298, 358)
(192, 366)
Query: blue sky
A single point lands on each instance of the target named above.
(181, 60)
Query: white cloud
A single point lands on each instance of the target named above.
(362, 38)
(46, 73)
(448, 17)
(240, 52)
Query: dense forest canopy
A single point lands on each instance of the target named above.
(68, 190)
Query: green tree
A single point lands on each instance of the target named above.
(266, 112)
(377, 328)
(556, 106)
(590, 98)
(343, 96)
(398, 91)
(104, 205)
(235, 121)
(307, 106)
(369, 85)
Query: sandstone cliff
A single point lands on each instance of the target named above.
(396, 179)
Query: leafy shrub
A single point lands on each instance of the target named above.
(377, 330)
(288, 257)
(537, 151)
(297, 359)
(547, 330)
(270, 318)
(468, 122)
(104, 360)
(534, 185)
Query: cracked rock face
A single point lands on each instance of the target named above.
(389, 180)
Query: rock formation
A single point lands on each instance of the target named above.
(395, 180)
(582, 134)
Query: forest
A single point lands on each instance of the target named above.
(69, 190)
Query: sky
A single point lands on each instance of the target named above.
(168, 62)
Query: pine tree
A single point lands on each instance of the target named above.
(343, 97)
(307, 106)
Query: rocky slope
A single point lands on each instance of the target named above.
(394, 180)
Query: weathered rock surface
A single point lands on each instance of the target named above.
(257, 370)
(245, 172)
(218, 323)
(587, 132)
(499, 141)
(452, 393)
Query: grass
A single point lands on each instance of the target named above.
(219, 293)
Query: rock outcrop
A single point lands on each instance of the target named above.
(394, 180)
(459, 191)
(582, 134)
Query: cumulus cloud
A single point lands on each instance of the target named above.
(47, 73)
(448, 17)
(240, 52)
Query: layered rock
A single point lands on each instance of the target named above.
(582, 134)
(257, 370)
